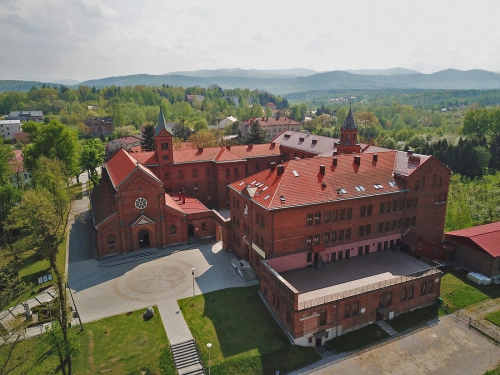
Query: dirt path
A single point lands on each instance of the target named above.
(91, 350)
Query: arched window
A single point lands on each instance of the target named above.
(423, 182)
(167, 174)
(416, 184)
(173, 230)
(434, 180)
(111, 242)
(164, 146)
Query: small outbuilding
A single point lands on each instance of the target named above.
(478, 248)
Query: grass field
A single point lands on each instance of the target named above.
(123, 344)
(413, 318)
(494, 317)
(458, 292)
(31, 267)
(357, 339)
(245, 337)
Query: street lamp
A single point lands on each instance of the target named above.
(209, 345)
(192, 273)
(49, 301)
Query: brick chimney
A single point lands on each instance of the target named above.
(272, 166)
(335, 161)
(281, 169)
(250, 146)
(200, 149)
(228, 147)
(375, 157)
(357, 160)
(322, 169)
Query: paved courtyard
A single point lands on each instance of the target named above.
(100, 291)
(447, 348)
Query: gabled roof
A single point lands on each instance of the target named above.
(303, 141)
(253, 151)
(187, 206)
(301, 182)
(406, 162)
(120, 165)
(349, 123)
(484, 238)
(162, 124)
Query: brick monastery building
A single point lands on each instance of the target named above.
(319, 220)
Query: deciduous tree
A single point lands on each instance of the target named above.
(91, 158)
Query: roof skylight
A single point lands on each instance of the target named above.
(378, 186)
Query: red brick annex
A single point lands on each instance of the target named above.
(320, 220)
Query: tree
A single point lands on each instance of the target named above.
(182, 129)
(296, 113)
(203, 138)
(43, 217)
(257, 134)
(256, 110)
(269, 112)
(200, 124)
(53, 140)
(91, 157)
(148, 140)
(341, 115)
(476, 122)
(118, 117)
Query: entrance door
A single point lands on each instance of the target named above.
(341, 254)
(367, 249)
(391, 245)
(318, 342)
(143, 238)
(190, 230)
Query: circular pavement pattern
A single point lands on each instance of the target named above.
(154, 281)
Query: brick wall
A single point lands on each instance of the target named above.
(477, 261)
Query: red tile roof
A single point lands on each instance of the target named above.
(190, 155)
(121, 164)
(484, 238)
(131, 139)
(145, 157)
(221, 154)
(190, 205)
(301, 182)
(17, 162)
(252, 151)
(269, 121)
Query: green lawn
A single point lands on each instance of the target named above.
(123, 344)
(458, 292)
(245, 337)
(31, 267)
(413, 318)
(494, 317)
(357, 339)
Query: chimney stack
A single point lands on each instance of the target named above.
(273, 144)
(314, 141)
(357, 160)
(200, 149)
(335, 161)
(272, 166)
(250, 146)
(228, 147)
(375, 157)
(409, 152)
(281, 169)
(322, 169)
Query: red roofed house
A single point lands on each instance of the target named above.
(125, 142)
(20, 176)
(478, 248)
(322, 235)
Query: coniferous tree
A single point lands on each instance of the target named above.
(148, 140)
(257, 134)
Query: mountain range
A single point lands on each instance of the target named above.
(299, 80)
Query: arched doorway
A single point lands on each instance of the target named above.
(143, 239)
(190, 230)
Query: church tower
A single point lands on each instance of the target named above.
(163, 142)
(349, 136)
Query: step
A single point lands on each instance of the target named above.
(184, 355)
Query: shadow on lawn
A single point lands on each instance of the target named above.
(244, 325)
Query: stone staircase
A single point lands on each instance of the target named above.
(243, 269)
(186, 358)
(193, 241)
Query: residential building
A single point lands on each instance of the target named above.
(36, 116)
(8, 128)
(477, 248)
(273, 125)
(100, 125)
(125, 142)
(227, 121)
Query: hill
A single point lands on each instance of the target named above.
(249, 73)
(382, 72)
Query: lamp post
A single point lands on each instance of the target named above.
(192, 273)
(49, 301)
(209, 345)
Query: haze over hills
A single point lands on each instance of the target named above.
(382, 72)
(298, 80)
(255, 73)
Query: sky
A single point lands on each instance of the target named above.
(88, 39)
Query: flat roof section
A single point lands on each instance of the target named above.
(356, 275)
